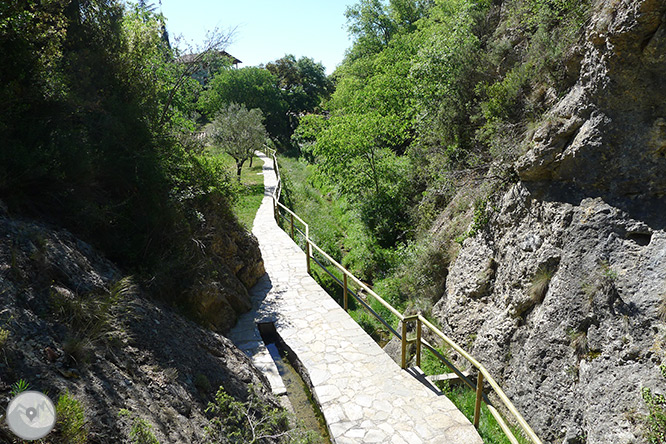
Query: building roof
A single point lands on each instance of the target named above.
(191, 58)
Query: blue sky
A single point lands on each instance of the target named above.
(266, 30)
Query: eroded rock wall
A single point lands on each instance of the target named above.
(563, 294)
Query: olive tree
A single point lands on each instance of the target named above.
(238, 132)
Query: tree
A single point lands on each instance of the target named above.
(239, 132)
(303, 82)
(252, 87)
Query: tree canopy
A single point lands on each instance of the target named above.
(429, 91)
(239, 132)
(95, 126)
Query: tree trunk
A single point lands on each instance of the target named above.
(251, 159)
(239, 168)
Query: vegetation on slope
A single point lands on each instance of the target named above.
(431, 98)
(95, 135)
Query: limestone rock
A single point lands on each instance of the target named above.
(574, 363)
(587, 220)
(607, 137)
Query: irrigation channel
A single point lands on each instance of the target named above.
(294, 377)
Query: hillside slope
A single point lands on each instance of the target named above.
(564, 290)
(71, 322)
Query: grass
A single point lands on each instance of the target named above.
(491, 433)
(250, 192)
(325, 217)
(540, 284)
(71, 421)
(655, 422)
(90, 317)
(141, 431)
(4, 337)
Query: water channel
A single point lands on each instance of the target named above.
(304, 406)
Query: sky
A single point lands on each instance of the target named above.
(266, 30)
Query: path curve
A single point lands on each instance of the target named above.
(363, 394)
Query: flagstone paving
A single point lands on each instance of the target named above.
(364, 396)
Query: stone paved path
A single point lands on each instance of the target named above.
(365, 397)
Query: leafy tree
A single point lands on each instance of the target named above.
(303, 82)
(373, 23)
(351, 153)
(239, 132)
(252, 87)
(444, 74)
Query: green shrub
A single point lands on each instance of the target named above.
(4, 337)
(252, 421)
(655, 422)
(20, 386)
(141, 431)
(71, 421)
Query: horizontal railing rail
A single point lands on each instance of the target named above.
(346, 282)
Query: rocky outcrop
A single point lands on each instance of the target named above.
(607, 137)
(234, 256)
(574, 357)
(71, 323)
(564, 291)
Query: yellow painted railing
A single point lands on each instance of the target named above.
(420, 321)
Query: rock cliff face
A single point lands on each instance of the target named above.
(69, 321)
(236, 259)
(564, 292)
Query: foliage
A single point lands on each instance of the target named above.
(303, 83)
(70, 420)
(249, 194)
(491, 433)
(254, 88)
(89, 316)
(433, 92)
(444, 74)
(4, 337)
(432, 365)
(373, 24)
(252, 421)
(19, 386)
(238, 132)
(655, 423)
(141, 431)
(94, 132)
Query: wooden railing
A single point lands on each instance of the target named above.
(348, 279)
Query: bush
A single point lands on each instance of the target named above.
(655, 422)
(141, 431)
(71, 421)
(249, 422)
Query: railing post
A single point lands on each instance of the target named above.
(404, 344)
(418, 341)
(479, 396)
(344, 291)
(292, 225)
(308, 248)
